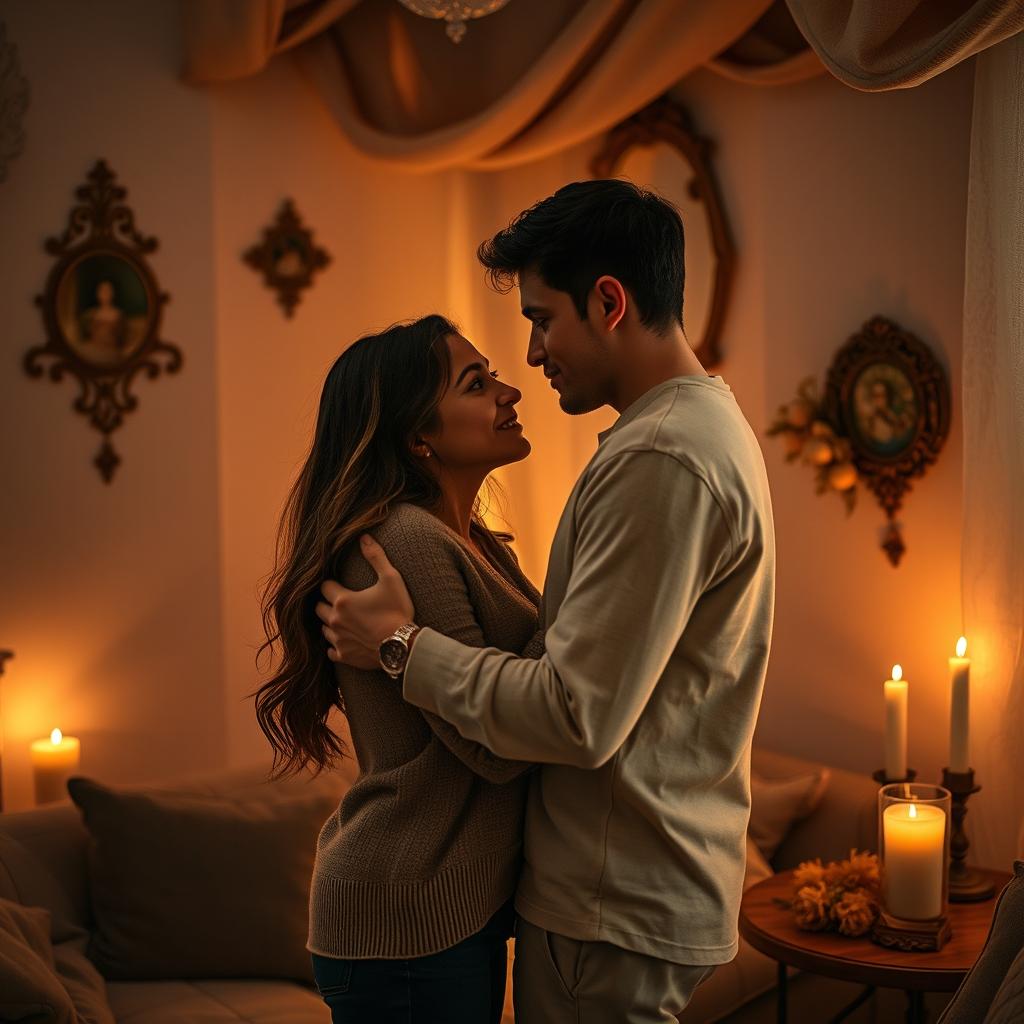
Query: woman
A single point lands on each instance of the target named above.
(410, 905)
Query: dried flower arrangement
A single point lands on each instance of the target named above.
(809, 436)
(840, 896)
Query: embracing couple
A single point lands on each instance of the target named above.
(572, 768)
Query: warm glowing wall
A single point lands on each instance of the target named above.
(133, 608)
(111, 596)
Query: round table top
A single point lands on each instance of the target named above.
(770, 929)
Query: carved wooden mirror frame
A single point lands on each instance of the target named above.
(100, 259)
(668, 122)
(889, 396)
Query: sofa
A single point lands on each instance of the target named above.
(150, 922)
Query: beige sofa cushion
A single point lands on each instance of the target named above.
(217, 1002)
(200, 885)
(27, 882)
(29, 986)
(776, 805)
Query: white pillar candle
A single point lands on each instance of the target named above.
(960, 682)
(896, 725)
(915, 845)
(53, 760)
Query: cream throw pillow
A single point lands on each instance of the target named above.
(776, 805)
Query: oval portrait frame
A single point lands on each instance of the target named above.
(101, 225)
(908, 424)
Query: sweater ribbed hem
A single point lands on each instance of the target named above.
(358, 920)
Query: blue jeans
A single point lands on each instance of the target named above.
(464, 984)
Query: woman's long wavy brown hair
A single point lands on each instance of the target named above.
(379, 395)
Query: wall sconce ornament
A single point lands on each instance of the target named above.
(882, 422)
(14, 96)
(102, 309)
(658, 149)
(287, 257)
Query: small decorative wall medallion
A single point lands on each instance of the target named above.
(14, 95)
(883, 420)
(102, 309)
(287, 257)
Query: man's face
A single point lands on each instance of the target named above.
(572, 354)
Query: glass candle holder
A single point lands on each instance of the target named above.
(914, 827)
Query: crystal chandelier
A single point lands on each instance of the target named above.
(455, 12)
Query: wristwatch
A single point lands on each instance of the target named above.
(394, 651)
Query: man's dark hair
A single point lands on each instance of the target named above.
(591, 228)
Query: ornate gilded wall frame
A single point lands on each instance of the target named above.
(882, 422)
(691, 184)
(14, 97)
(102, 309)
(287, 257)
(886, 392)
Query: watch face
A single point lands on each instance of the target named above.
(392, 654)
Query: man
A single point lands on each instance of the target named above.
(658, 607)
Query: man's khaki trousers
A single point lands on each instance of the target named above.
(558, 980)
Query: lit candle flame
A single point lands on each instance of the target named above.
(961, 647)
(56, 736)
(897, 673)
(913, 810)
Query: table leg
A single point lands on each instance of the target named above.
(869, 991)
(781, 994)
(916, 1013)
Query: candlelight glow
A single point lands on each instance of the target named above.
(913, 811)
(56, 736)
(961, 647)
(897, 672)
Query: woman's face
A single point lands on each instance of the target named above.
(479, 429)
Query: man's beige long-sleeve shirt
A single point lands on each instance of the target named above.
(658, 604)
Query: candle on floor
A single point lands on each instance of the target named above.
(53, 760)
(960, 682)
(915, 853)
(896, 725)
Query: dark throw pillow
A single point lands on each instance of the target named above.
(200, 886)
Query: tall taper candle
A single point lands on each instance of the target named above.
(896, 725)
(959, 718)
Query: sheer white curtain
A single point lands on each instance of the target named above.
(993, 423)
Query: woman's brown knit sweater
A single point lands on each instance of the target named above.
(425, 846)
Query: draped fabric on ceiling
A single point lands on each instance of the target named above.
(895, 44)
(542, 75)
(993, 472)
(526, 82)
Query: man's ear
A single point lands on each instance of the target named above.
(611, 300)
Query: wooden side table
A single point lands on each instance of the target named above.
(770, 929)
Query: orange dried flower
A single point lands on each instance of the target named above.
(810, 872)
(854, 912)
(810, 907)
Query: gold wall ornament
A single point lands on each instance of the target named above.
(455, 12)
(659, 149)
(287, 257)
(882, 422)
(101, 310)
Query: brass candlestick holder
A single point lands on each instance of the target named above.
(966, 885)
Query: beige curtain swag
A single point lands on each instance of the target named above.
(525, 82)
